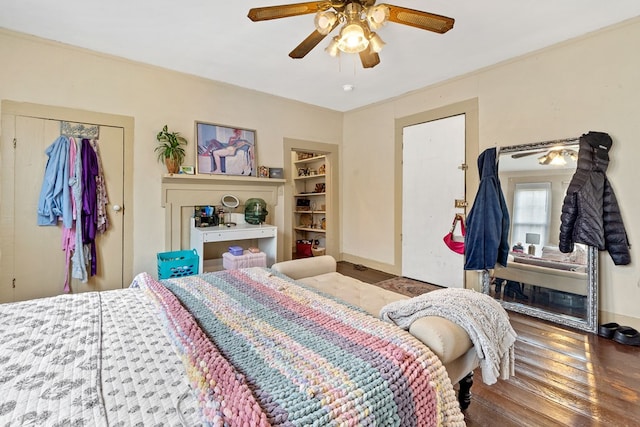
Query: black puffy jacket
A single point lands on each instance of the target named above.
(590, 211)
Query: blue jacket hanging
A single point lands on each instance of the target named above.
(487, 240)
(55, 195)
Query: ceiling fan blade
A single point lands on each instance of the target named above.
(287, 10)
(369, 58)
(526, 153)
(309, 43)
(423, 20)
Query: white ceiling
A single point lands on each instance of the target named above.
(216, 40)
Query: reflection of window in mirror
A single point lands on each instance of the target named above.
(531, 215)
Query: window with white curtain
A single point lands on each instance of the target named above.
(531, 214)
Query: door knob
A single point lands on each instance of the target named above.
(117, 208)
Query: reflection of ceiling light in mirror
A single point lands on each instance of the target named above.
(557, 157)
(558, 160)
(544, 159)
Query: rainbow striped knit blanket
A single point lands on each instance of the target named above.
(261, 349)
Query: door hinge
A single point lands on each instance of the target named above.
(15, 141)
(463, 167)
(13, 284)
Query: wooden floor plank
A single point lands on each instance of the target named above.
(564, 376)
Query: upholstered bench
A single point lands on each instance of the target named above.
(447, 340)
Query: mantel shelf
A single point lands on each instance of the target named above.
(233, 179)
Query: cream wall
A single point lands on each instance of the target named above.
(42, 72)
(587, 84)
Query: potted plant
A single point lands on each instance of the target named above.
(170, 149)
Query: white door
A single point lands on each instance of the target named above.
(432, 179)
(36, 262)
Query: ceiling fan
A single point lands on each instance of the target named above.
(554, 156)
(358, 18)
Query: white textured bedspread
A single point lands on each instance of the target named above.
(112, 364)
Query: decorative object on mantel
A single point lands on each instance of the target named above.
(170, 150)
(276, 173)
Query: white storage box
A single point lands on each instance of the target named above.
(247, 259)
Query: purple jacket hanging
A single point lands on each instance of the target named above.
(89, 200)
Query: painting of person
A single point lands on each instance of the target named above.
(236, 156)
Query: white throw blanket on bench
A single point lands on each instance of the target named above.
(483, 318)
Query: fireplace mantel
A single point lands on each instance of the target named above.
(181, 192)
(184, 178)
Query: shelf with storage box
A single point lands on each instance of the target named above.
(310, 202)
(264, 236)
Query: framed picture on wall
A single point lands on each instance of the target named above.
(225, 150)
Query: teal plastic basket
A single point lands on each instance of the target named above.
(177, 264)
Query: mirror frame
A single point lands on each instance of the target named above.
(590, 323)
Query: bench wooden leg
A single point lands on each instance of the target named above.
(464, 392)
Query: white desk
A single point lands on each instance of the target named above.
(265, 234)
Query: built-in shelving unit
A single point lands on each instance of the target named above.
(310, 196)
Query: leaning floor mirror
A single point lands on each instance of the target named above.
(539, 280)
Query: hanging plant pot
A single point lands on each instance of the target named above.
(172, 165)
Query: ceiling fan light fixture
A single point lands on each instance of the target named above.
(324, 21)
(357, 19)
(377, 16)
(352, 38)
(376, 43)
(332, 49)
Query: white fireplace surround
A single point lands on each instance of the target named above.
(180, 193)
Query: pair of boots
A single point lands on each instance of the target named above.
(511, 289)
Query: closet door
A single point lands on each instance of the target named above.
(36, 251)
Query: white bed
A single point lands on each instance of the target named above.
(138, 357)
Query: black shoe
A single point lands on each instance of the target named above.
(627, 335)
(608, 329)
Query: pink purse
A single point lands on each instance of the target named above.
(455, 243)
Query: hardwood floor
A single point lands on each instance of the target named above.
(564, 377)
